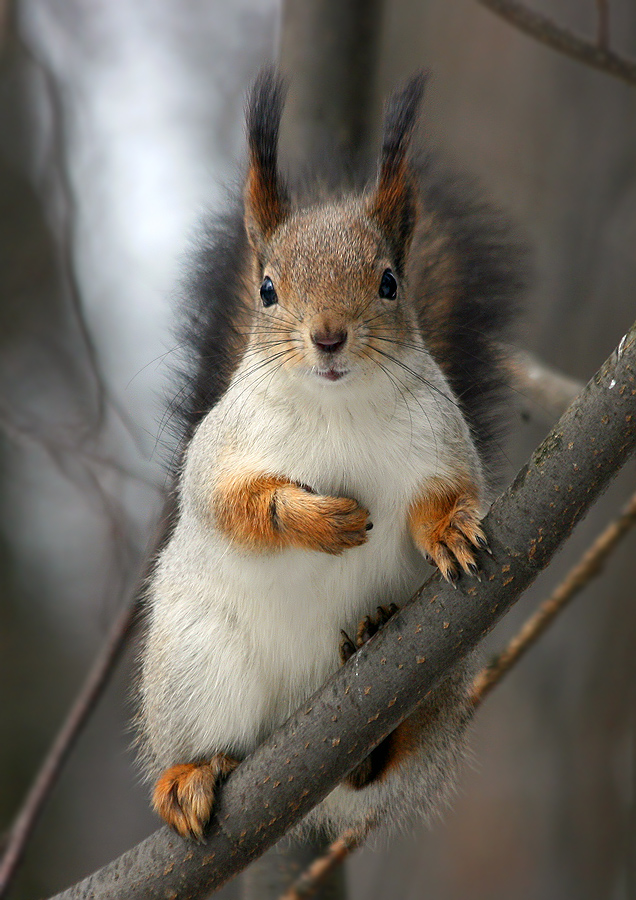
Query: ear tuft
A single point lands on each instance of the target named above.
(266, 197)
(393, 204)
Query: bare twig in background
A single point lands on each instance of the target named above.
(76, 718)
(61, 448)
(548, 32)
(64, 742)
(337, 852)
(270, 791)
(538, 387)
(589, 566)
(60, 181)
(603, 24)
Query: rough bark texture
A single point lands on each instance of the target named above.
(390, 675)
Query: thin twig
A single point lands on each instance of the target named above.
(311, 879)
(65, 740)
(602, 33)
(589, 566)
(76, 718)
(548, 32)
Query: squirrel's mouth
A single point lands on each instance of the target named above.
(331, 374)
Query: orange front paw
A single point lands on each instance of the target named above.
(446, 527)
(184, 794)
(330, 524)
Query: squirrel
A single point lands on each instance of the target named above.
(338, 439)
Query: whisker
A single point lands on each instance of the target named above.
(396, 384)
(254, 384)
(416, 375)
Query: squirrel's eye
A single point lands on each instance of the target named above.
(388, 286)
(268, 292)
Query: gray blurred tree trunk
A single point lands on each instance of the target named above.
(330, 53)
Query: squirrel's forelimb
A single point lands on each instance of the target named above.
(264, 512)
(444, 523)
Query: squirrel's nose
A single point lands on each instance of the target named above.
(329, 341)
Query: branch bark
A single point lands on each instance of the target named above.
(302, 762)
(548, 32)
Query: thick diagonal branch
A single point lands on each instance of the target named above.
(388, 677)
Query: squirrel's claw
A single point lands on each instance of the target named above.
(368, 626)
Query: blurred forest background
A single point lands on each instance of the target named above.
(121, 121)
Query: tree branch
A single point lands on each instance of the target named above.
(388, 677)
(548, 32)
(330, 51)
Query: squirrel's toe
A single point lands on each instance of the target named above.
(184, 794)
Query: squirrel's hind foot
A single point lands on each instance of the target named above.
(366, 629)
(184, 794)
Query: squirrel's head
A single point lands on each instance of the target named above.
(329, 279)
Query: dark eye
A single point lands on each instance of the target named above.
(268, 292)
(388, 286)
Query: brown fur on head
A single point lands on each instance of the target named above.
(323, 267)
(326, 265)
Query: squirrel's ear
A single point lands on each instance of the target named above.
(266, 198)
(393, 204)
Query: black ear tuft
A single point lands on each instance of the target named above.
(399, 120)
(266, 197)
(393, 204)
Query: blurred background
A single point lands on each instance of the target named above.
(121, 122)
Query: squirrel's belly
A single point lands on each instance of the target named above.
(281, 615)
